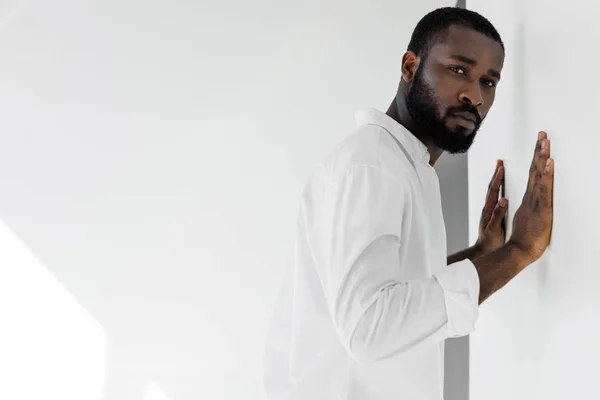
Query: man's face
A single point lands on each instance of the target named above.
(454, 88)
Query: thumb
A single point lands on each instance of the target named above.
(499, 212)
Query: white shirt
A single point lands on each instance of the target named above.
(364, 311)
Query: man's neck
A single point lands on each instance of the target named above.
(398, 110)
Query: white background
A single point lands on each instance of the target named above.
(538, 337)
(151, 157)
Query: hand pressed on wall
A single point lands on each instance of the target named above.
(492, 234)
(532, 224)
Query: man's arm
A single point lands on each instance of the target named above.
(497, 268)
(532, 227)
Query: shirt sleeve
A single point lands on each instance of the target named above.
(356, 238)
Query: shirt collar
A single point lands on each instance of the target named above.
(413, 146)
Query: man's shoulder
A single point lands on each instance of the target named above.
(366, 146)
(369, 147)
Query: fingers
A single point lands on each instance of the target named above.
(541, 174)
(544, 155)
(547, 184)
(494, 188)
(540, 156)
(499, 212)
(498, 164)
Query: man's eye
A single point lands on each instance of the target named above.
(458, 70)
(489, 83)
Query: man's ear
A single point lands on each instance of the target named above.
(410, 63)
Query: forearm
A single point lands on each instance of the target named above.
(471, 253)
(497, 268)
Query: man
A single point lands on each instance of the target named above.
(372, 296)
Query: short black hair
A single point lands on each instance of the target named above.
(433, 28)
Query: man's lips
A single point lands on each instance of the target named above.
(466, 115)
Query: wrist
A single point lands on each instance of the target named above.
(520, 253)
(476, 250)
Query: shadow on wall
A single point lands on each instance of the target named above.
(128, 345)
(52, 346)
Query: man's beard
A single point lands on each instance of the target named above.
(422, 106)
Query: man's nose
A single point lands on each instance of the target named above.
(471, 95)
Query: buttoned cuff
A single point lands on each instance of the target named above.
(460, 283)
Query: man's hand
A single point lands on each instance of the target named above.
(491, 229)
(532, 225)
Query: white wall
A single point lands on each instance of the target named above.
(538, 337)
(151, 158)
